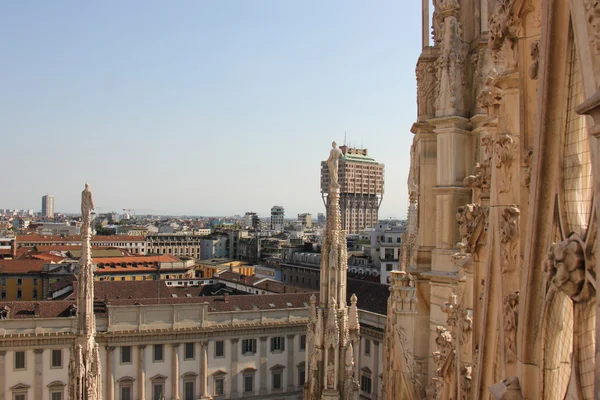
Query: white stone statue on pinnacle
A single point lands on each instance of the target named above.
(87, 205)
(332, 163)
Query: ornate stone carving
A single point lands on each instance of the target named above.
(592, 12)
(84, 371)
(509, 233)
(489, 96)
(511, 320)
(472, 225)
(333, 321)
(462, 259)
(480, 178)
(566, 271)
(450, 63)
(478, 61)
(466, 378)
(505, 149)
(527, 165)
(332, 331)
(444, 357)
(503, 26)
(535, 59)
(426, 86)
(466, 326)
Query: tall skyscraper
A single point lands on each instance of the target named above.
(48, 206)
(277, 214)
(361, 182)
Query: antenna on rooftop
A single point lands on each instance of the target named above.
(344, 138)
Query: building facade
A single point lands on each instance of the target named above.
(386, 248)
(361, 180)
(133, 244)
(177, 244)
(215, 246)
(504, 180)
(277, 218)
(48, 206)
(305, 219)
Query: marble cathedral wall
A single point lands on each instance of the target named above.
(505, 180)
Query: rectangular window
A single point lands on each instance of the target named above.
(3, 281)
(3, 293)
(219, 386)
(278, 343)
(19, 360)
(249, 346)
(56, 396)
(34, 294)
(19, 281)
(189, 351)
(365, 384)
(367, 347)
(35, 281)
(302, 342)
(126, 393)
(158, 391)
(188, 390)
(20, 397)
(57, 358)
(388, 267)
(125, 354)
(19, 294)
(219, 348)
(301, 376)
(276, 380)
(158, 352)
(248, 383)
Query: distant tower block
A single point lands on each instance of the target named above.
(48, 206)
(361, 181)
(277, 216)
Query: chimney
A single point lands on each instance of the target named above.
(36, 310)
(13, 248)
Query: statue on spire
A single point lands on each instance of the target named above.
(333, 328)
(84, 360)
(332, 163)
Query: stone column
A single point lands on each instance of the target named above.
(233, 381)
(290, 362)
(2, 373)
(375, 386)
(110, 378)
(262, 391)
(175, 371)
(142, 372)
(204, 370)
(38, 380)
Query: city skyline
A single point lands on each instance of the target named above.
(205, 108)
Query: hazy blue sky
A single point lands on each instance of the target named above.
(201, 107)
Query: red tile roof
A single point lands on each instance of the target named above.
(21, 266)
(47, 309)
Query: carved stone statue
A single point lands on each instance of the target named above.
(330, 375)
(87, 202)
(87, 205)
(332, 163)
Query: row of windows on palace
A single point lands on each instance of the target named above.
(189, 385)
(248, 348)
